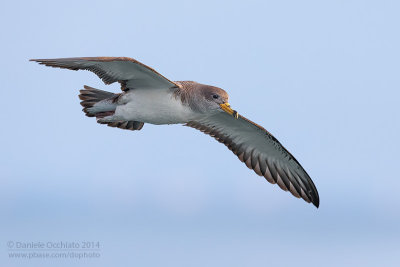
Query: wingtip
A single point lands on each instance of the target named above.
(316, 203)
(315, 199)
(40, 61)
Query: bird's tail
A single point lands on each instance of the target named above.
(100, 104)
(97, 103)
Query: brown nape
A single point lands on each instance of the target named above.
(185, 89)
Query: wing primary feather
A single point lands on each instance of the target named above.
(268, 175)
(261, 152)
(129, 72)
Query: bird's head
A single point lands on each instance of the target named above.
(214, 99)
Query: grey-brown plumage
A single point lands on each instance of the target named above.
(149, 97)
(283, 169)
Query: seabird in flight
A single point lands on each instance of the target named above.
(149, 97)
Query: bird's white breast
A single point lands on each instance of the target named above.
(156, 106)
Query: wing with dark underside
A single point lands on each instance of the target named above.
(261, 152)
(127, 71)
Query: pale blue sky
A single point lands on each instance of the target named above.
(322, 76)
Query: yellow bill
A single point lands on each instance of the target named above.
(227, 108)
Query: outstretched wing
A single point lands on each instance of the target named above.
(127, 71)
(261, 152)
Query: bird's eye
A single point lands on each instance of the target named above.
(215, 96)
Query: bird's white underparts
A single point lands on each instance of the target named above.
(149, 97)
